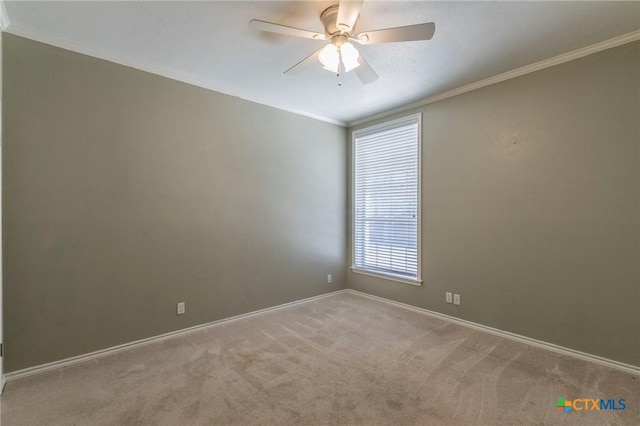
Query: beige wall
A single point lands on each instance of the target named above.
(531, 206)
(125, 193)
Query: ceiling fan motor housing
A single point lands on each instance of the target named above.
(329, 19)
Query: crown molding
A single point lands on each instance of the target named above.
(153, 69)
(527, 69)
(4, 18)
(143, 66)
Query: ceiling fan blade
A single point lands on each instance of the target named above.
(283, 29)
(365, 73)
(348, 12)
(304, 64)
(391, 35)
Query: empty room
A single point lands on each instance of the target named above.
(320, 212)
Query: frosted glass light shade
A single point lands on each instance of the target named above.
(329, 57)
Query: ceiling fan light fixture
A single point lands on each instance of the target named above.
(331, 57)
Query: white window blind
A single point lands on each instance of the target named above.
(386, 199)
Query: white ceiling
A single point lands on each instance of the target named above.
(210, 44)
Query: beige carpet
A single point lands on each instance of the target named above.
(340, 360)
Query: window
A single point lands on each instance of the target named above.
(386, 200)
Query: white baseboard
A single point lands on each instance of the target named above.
(628, 368)
(19, 374)
(15, 375)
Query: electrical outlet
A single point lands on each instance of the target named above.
(181, 308)
(448, 297)
(456, 299)
(329, 279)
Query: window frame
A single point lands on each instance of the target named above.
(373, 129)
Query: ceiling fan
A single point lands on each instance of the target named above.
(340, 56)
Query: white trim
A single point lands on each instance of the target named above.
(153, 69)
(5, 25)
(367, 131)
(390, 124)
(4, 18)
(527, 69)
(628, 368)
(15, 375)
(389, 277)
(419, 231)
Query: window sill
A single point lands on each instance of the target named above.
(389, 277)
